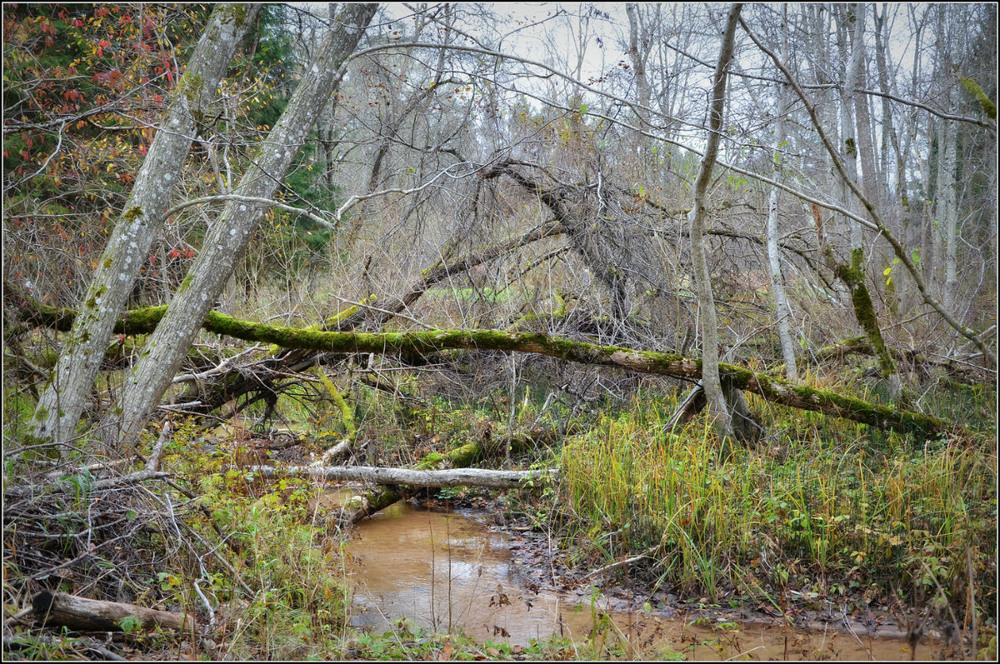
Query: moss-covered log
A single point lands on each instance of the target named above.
(667, 364)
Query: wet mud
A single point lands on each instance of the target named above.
(458, 570)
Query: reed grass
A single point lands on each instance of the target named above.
(818, 506)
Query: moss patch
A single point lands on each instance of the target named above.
(989, 108)
(864, 310)
(131, 214)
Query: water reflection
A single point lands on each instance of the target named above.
(446, 571)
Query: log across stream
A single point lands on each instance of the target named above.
(451, 570)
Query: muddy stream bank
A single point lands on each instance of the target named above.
(457, 570)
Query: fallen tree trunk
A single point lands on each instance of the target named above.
(420, 343)
(494, 479)
(958, 368)
(91, 615)
(375, 500)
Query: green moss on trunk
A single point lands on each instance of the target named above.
(989, 108)
(668, 364)
(853, 276)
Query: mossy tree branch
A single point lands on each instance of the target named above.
(420, 343)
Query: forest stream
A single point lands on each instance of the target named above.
(451, 570)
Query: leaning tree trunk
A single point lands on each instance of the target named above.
(63, 400)
(717, 406)
(901, 252)
(229, 235)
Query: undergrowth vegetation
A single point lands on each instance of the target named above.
(819, 509)
(818, 513)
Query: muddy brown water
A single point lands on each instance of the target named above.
(449, 570)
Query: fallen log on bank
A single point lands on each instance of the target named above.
(773, 389)
(375, 500)
(91, 615)
(960, 369)
(481, 477)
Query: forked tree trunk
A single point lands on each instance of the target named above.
(228, 237)
(61, 404)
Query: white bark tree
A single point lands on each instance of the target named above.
(946, 210)
(228, 237)
(876, 222)
(63, 400)
(782, 309)
(847, 20)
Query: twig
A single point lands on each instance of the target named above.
(634, 559)
(397, 314)
(16, 618)
(63, 486)
(105, 653)
(154, 456)
(218, 531)
(214, 371)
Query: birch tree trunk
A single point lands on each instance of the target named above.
(63, 400)
(717, 406)
(782, 309)
(848, 17)
(228, 237)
